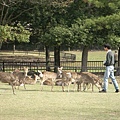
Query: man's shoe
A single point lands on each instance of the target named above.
(117, 90)
(102, 91)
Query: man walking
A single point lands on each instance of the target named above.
(109, 73)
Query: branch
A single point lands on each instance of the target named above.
(2, 14)
(5, 17)
(4, 4)
(18, 14)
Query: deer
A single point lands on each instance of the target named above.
(30, 80)
(6, 77)
(32, 73)
(20, 76)
(79, 83)
(48, 76)
(86, 78)
(68, 78)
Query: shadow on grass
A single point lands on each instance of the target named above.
(5, 88)
(28, 90)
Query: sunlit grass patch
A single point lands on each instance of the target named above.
(33, 104)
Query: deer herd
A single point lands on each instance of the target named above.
(62, 78)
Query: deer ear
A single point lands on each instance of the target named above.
(17, 70)
(39, 71)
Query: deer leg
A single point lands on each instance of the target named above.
(42, 86)
(92, 88)
(98, 87)
(24, 83)
(63, 87)
(24, 86)
(78, 87)
(88, 86)
(52, 88)
(52, 84)
(13, 88)
(74, 86)
(18, 87)
(69, 86)
(84, 87)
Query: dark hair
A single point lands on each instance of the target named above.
(107, 46)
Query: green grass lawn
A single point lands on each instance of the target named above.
(33, 104)
(92, 55)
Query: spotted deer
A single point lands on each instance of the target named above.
(86, 78)
(47, 75)
(15, 78)
(68, 78)
(20, 75)
(6, 77)
(30, 80)
(80, 82)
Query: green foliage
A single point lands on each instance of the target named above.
(100, 28)
(10, 29)
(54, 22)
(14, 33)
(57, 36)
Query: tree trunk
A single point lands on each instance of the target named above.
(47, 58)
(84, 59)
(118, 69)
(56, 58)
(13, 48)
(0, 44)
(119, 57)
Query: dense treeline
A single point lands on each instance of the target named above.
(40, 47)
(56, 24)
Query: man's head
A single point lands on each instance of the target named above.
(107, 47)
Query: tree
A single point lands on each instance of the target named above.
(18, 33)
(99, 24)
(10, 27)
(73, 22)
(90, 24)
(55, 37)
(47, 17)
